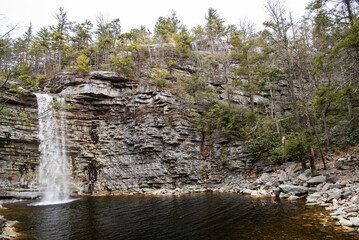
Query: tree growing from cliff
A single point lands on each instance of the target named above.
(83, 64)
(215, 29)
(122, 63)
(167, 27)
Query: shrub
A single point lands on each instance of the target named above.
(295, 148)
(27, 82)
(159, 74)
(264, 138)
(234, 121)
(123, 64)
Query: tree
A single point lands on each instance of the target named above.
(60, 34)
(279, 28)
(83, 64)
(215, 29)
(245, 44)
(83, 37)
(41, 49)
(122, 63)
(167, 27)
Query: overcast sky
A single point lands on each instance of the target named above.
(134, 13)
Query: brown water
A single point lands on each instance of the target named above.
(191, 216)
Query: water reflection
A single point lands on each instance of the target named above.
(192, 216)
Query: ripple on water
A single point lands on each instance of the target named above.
(193, 216)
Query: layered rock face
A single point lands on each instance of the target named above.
(122, 136)
(125, 136)
(19, 154)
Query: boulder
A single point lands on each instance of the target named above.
(264, 178)
(314, 198)
(345, 222)
(335, 204)
(355, 199)
(332, 179)
(339, 163)
(293, 189)
(260, 194)
(269, 169)
(304, 176)
(292, 198)
(107, 75)
(354, 221)
(346, 194)
(316, 180)
(334, 194)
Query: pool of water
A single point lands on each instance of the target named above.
(191, 216)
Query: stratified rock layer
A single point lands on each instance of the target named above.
(123, 136)
(19, 154)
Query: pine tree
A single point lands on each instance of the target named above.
(83, 64)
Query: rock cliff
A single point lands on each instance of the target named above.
(123, 136)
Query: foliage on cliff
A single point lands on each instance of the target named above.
(316, 58)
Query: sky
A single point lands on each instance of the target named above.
(134, 13)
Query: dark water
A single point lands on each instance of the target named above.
(192, 216)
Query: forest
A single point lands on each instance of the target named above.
(315, 57)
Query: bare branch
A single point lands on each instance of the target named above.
(12, 28)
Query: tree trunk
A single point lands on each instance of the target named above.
(324, 115)
(304, 165)
(350, 109)
(294, 100)
(350, 11)
(312, 164)
(320, 148)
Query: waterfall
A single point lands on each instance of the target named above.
(53, 170)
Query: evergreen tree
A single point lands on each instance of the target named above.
(83, 64)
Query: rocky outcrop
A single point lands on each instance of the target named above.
(123, 136)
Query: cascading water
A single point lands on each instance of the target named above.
(53, 170)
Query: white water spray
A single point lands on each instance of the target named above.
(53, 170)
